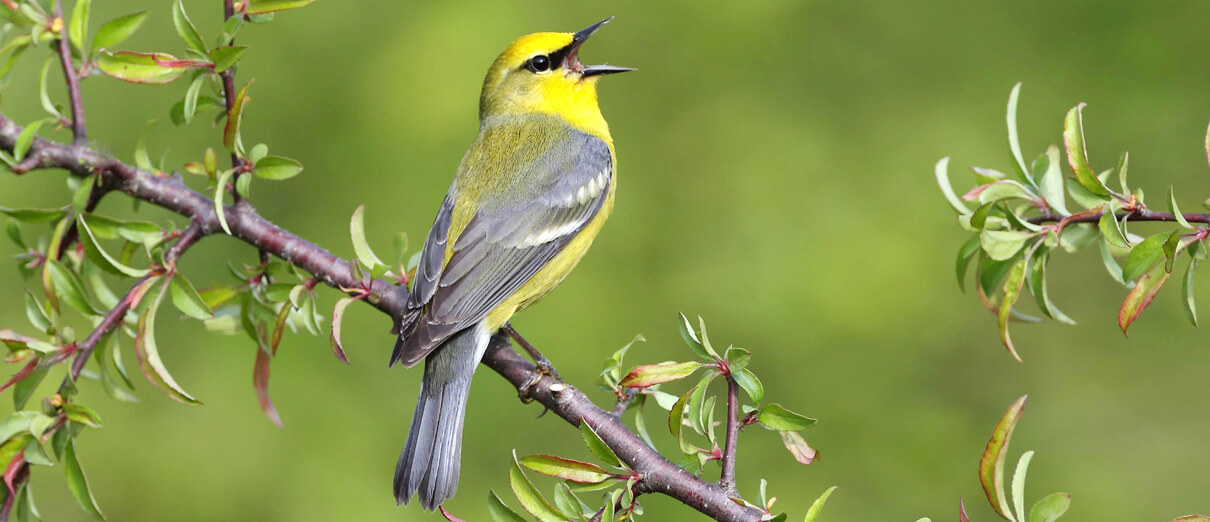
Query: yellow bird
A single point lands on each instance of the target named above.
(531, 194)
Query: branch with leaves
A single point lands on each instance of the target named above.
(1019, 220)
(71, 272)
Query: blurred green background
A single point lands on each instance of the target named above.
(775, 177)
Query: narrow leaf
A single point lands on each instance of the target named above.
(1019, 483)
(1144, 256)
(500, 512)
(530, 498)
(260, 382)
(185, 28)
(941, 171)
(146, 68)
(219, 190)
(779, 418)
(337, 318)
(1140, 296)
(1037, 285)
(69, 288)
(566, 469)
(1014, 145)
(652, 374)
(78, 484)
(256, 7)
(818, 505)
(191, 94)
(1187, 292)
(102, 258)
(115, 31)
(598, 446)
(149, 354)
(226, 56)
(1011, 292)
(991, 465)
(187, 300)
(798, 447)
(1050, 186)
(1050, 508)
(232, 129)
(77, 30)
(1176, 211)
(1077, 155)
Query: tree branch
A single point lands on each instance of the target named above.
(658, 475)
(727, 478)
(78, 129)
(1137, 215)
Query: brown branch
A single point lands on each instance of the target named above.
(1137, 215)
(658, 475)
(229, 98)
(78, 130)
(727, 478)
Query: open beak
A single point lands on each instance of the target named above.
(573, 54)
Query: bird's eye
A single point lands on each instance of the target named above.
(540, 63)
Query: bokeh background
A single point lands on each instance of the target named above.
(775, 177)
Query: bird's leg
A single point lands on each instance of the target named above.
(544, 367)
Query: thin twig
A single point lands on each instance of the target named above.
(229, 98)
(727, 478)
(1137, 215)
(115, 317)
(623, 402)
(78, 130)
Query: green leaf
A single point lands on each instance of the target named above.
(109, 352)
(149, 354)
(1019, 483)
(258, 152)
(1111, 265)
(776, 417)
(1140, 296)
(751, 385)
(69, 288)
(357, 231)
(1112, 230)
(82, 414)
(1077, 155)
(185, 28)
(102, 258)
(26, 139)
(1122, 164)
(690, 338)
(1013, 144)
(1187, 292)
(530, 498)
(1143, 256)
(226, 56)
(1176, 211)
(797, 446)
(187, 300)
(698, 406)
(500, 512)
(78, 484)
(219, 190)
(941, 171)
(115, 31)
(566, 469)
(278, 168)
(232, 129)
(34, 215)
(191, 94)
(243, 186)
(140, 67)
(77, 30)
(1050, 187)
(991, 272)
(337, 319)
(1037, 286)
(1081, 195)
(43, 96)
(256, 7)
(817, 506)
(598, 446)
(652, 374)
(36, 314)
(991, 464)
(1011, 291)
(1050, 508)
(24, 389)
(1002, 245)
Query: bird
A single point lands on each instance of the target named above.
(529, 197)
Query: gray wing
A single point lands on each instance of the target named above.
(504, 244)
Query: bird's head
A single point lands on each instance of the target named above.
(542, 73)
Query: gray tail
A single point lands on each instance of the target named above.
(432, 456)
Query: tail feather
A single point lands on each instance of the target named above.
(430, 463)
